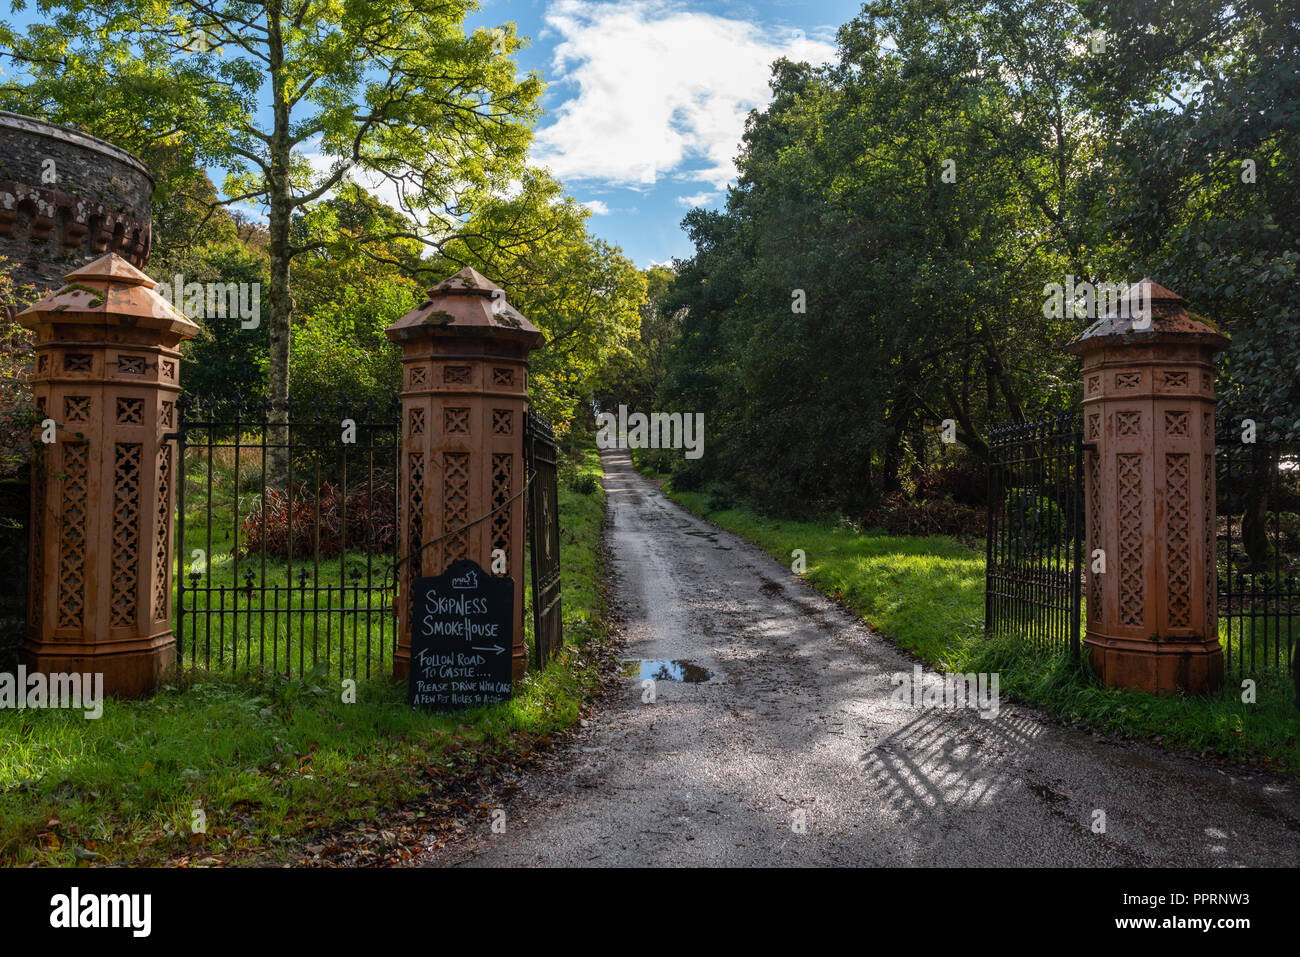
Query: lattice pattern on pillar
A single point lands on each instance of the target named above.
(76, 408)
(1132, 573)
(72, 538)
(501, 466)
(126, 531)
(162, 535)
(1094, 533)
(455, 505)
(502, 422)
(130, 411)
(455, 421)
(415, 517)
(417, 422)
(1211, 559)
(1177, 423)
(37, 604)
(1178, 576)
(1128, 423)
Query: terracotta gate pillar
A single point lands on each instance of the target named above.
(1148, 415)
(464, 402)
(107, 374)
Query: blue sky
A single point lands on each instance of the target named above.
(646, 100)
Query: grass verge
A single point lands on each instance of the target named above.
(927, 595)
(262, 761)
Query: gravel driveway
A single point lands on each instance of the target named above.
(791, 752)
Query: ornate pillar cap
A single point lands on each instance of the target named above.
(467, 304)
(109, 291)
(1170, 320)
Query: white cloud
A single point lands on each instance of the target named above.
(658, 86)
(597, 207)
(699, 199)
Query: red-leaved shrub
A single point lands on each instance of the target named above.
(897, 515)
(369, 511)
(964, 484)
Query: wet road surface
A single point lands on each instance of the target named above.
(789, 752)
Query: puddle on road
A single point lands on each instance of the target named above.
(665, 670)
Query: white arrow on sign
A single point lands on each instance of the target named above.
(497, 648)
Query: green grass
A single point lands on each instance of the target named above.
(927, 595)
(269, 760)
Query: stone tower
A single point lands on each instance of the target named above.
(66, 199)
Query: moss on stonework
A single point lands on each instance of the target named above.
(96, 300)
(78, 287)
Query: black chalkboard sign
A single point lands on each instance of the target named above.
(461, 638)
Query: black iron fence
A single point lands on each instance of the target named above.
(286, 538)
(1034, 549)
(1258, 549)
(543, 538)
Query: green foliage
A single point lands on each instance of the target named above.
(657, 461)
(634, 377)
(581, 292)
(392, 89)
(1037, 524)
(224, 360)
(720, 497)
(848, 299)
(1205, 179)
(17, 415)
(920, 194)
(331, 367)
(583, 483)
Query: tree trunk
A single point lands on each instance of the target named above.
(281, 303)
(1254, 521)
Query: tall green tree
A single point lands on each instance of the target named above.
(391, 89)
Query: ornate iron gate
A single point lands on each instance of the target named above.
(1258, 549)
(543, 538)
(286, 573)
(1035, 533)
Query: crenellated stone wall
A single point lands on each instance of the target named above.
(66, 199)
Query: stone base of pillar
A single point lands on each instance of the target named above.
(1158, 667)
(130, 669)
